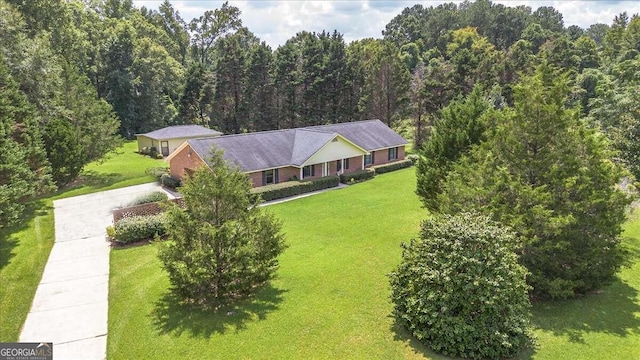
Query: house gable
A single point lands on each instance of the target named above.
(336, 149)
(183, 159)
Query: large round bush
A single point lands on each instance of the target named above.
(460, 290)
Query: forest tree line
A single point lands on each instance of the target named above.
(76, 77)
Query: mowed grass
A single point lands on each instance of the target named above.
(24, 249)
(331, 297)
(602, 325)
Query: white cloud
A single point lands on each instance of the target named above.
(277, 21)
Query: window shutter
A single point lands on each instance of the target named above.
(275, 176)
(264, 178)
(373, 157)
(313, 170)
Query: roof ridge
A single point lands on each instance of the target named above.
(256, 133)
(316, 130)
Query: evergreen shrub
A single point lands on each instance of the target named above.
(292, 188)
(396, 165)
(137, 228)
(150, 198)
(460, 290)
(357, 176)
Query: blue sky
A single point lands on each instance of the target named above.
(277, 21)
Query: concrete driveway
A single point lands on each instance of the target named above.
(71, 303)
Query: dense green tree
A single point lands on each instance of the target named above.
(54, 81)
(460, 290)
(197, 96)
(614, 39)
(287, 78)
(574, 32)
(64, 150)
(508, 26)
(229, 109)
(211, 26)
(116, 9)
(157, 81)
(260, 92)
(560, 53)
(386, 83)
(550, 176)
(549, 19)
(176, 28)
(612, 101)
(94, 122)
(221, 246)
(313, 76)
(24, 169)
(536, 35)
(474, 59)
(119, 84)
(460, 126)
(586, 50)
(597, 32)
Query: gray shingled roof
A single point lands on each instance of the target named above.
(368, 134)
(292, 147)
(181, 131)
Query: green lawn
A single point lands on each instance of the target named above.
(604, 325)
(331, 298)
(24, 249)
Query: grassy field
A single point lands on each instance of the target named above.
(24, 249)
(331, 297)
(604, 325)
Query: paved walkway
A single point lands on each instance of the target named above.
(71, 303)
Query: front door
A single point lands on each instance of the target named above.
(164, 147)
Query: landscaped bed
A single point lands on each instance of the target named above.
(24, 249)
(331, 296)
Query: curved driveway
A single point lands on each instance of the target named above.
(71, 303)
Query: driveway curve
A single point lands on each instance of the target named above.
(70, 306)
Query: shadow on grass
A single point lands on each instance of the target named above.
(91, 179)
(401, 334)
(8, 239)
(609, 311)
(172, 317)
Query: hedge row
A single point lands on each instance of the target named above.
(169, 181)
(292, 188)
(150, 198)
(137, 228)
(397, 165)
(357, 176)
(163, 176)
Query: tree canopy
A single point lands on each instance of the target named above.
(548, 174)
(222, 245)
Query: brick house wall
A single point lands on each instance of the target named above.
(382, 156)
(355, 164)
(284, 174)
(401, 152)
(184, 159)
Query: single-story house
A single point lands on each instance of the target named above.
(270, 157)
(167, 139)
